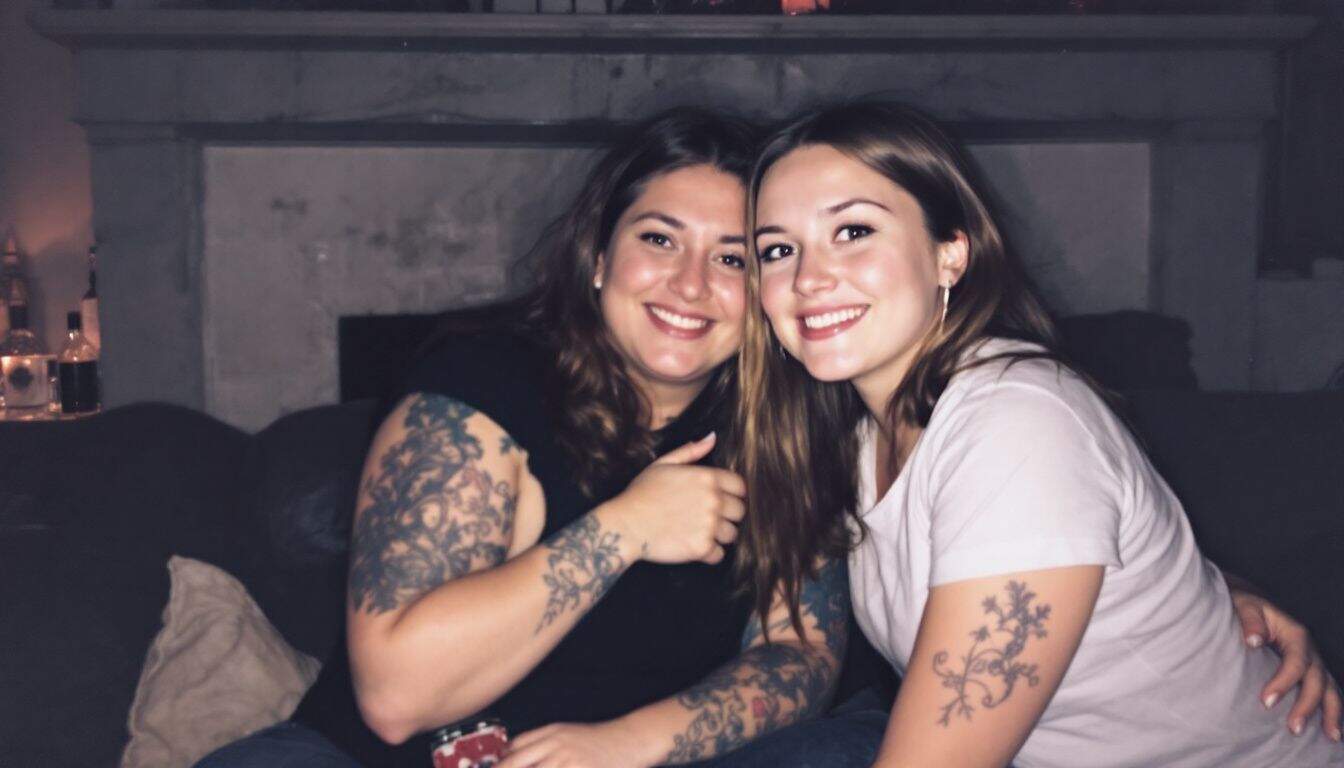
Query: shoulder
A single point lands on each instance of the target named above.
(1015, 406)
(501, 373)
(1005, 383)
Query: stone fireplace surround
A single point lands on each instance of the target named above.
(258, 175)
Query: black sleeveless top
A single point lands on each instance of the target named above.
(658, 630)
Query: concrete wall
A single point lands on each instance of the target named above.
(295, 237)
(44, 168)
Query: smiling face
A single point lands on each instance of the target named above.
(673, 286)
(850, 278)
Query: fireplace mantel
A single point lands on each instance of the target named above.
(186, 28)
(162, 92)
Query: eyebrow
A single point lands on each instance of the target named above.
(670, 221)
(770, 230)
(838, 207)
(829, 211)
(676, 223)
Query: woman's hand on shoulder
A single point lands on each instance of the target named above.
(1302, 667)
(678, 512)
(578, 745)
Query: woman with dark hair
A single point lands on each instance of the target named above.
(1010, 528)
(517, 551)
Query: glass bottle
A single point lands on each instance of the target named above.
(10, 269)
(77, 367)
(23, 365)
(12, 281)
(88, 305)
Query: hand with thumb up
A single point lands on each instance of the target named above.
(676, 512)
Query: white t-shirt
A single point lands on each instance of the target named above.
(1022, 467)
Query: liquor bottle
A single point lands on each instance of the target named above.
(13, 288)
(23, 364)
(12, 282)
(77, 367)
(88, 306)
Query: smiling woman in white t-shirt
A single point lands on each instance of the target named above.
(1022, 564)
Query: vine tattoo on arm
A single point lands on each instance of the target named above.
(769, 685)
(584, 561)
(432, 512)
(989, 668)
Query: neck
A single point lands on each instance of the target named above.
(668, 401)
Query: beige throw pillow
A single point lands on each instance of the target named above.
(217, 671)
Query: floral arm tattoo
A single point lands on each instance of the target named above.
(431, 510)
(769, 685)
(584, 560)
(990, 669)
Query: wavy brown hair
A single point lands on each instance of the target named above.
(799, 447)
(603, 415)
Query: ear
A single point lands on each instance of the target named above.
(953, 256)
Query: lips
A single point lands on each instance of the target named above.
(832, 321)
(678, 324)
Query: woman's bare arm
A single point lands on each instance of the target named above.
(988, 657)
(432, 637)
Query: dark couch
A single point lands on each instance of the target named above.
(91, 510)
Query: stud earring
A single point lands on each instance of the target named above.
(597, 283)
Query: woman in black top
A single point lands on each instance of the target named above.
(517, 552)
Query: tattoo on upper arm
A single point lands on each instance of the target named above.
(772, 685)
(583, 563)
(991, 667)
(432, 512)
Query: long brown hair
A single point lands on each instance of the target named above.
(602, 413)
(799, 450)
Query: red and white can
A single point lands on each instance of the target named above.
(469, 744)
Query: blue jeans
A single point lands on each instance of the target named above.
(848, 737)
(287, 745)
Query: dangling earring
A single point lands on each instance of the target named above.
(947, 296)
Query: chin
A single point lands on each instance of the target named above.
(674, 371)
(829, 368)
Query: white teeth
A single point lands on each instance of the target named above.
(679, 321)
(831, 318)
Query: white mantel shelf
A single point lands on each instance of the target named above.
(269, 29)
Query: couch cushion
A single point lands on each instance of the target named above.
(217, 671)
(1262, 479)
(304, 475)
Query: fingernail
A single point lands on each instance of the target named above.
(1271, 700)
(1296, 728)
(1255, 641)
(1334, 735)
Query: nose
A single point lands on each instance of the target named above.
(690, 280)
(814, 274)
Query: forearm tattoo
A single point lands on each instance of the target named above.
(583, 562)
(990, 669)
(431, 511)
(772, 685)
